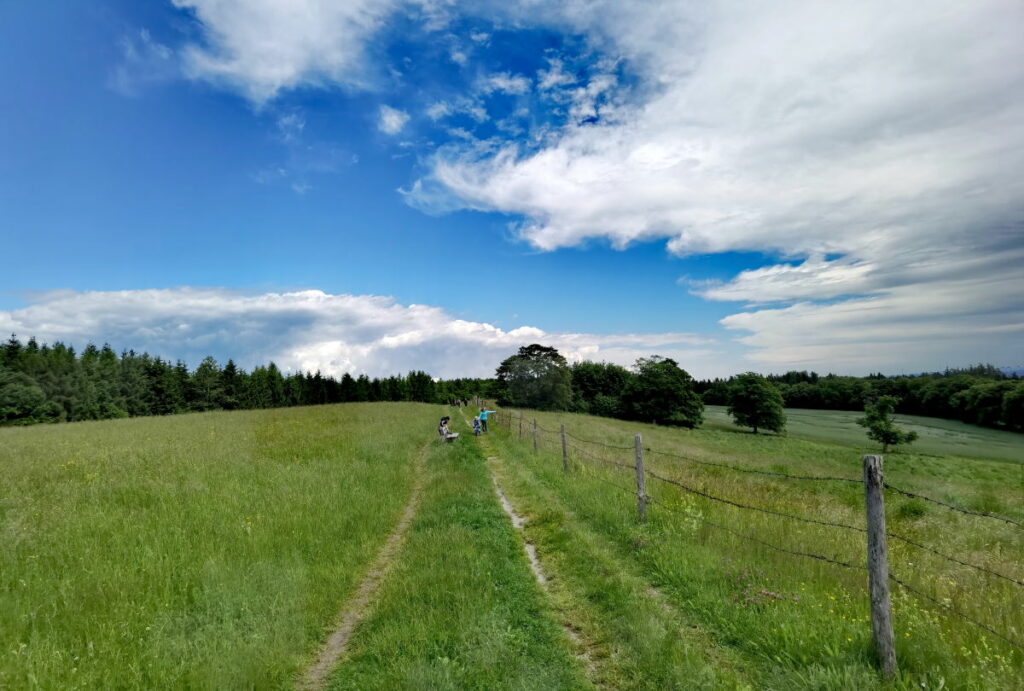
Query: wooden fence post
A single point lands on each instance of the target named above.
(520, 426)
(565, 451)
(535, 435)
(878, 565)
(641, 484)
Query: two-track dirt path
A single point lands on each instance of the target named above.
(579, 646)
(360, 603)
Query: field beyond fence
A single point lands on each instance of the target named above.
(797, 531)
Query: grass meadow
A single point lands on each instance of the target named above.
(215, 550)
(936, 437)
(195, 551)
(775, 620)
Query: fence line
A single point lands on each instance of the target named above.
(721, 465)
(738, 505)
(756, 471)
(809, 555)
(895, 536)
(885, 572)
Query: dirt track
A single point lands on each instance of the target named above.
(357, 607)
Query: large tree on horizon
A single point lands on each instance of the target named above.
(756, 403)
(662, 392)
(535, 377)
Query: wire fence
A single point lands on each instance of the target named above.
(588, 450)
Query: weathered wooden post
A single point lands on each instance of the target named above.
(535, 435)
(878, 565)
(565, 451)
(641, 484)
(520, 426)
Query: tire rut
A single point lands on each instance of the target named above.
(358, 606)
(579, 644)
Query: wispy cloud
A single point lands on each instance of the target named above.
(305, 156)
(144, 62)
(505, 82)
(555, 76)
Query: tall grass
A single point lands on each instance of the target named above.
(207, 550)
(797, 622)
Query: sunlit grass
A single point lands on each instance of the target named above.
(207, 550)
(461, 609)
(801, 623)
(936, 436)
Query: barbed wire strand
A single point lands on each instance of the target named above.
(809, 555)
(589, 472)
(599, 443)
(894, 536)
(952, 507)
(606, 461)
(755, 471)
(748, 507)
(926, 548)
(955, 611)
(789, 476)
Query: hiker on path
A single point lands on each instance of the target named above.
(446, 433)
(476, 426)
(483, 418)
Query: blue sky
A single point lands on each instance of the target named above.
(617, 181)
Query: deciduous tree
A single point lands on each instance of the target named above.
(535, 377)
(755, 402)
(662, 392)
(881, 425)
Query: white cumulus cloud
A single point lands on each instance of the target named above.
(312, 330)
(391, 120)
(261, 47)
(875, 148)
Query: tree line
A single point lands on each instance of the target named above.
(980, 395)
(53, 383)
(658, 390)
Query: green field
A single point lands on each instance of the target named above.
(937, 437)
(756, 616)
(207, 550)
(216, 550)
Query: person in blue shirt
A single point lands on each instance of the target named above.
(483, 418)
(476, 427)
